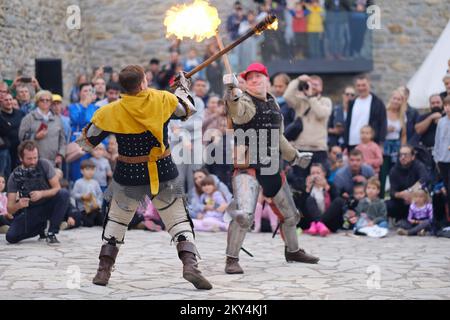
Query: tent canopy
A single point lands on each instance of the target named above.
(428, 79)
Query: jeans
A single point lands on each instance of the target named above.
(33, 220)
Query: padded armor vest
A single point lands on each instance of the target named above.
(267, 118)
(134, 145)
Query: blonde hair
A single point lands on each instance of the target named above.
(42, 93)
(374, 182)
(403, 107)
(422, 192)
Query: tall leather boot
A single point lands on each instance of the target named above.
(107, 257)
(187, 254)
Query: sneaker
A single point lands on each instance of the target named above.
(52, 240)
(4, 229)
(63, 226)
(312, 229)
(422, 233)
(322, 229)
(402, 232)
(42, 237)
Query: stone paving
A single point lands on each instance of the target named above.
(147, 268)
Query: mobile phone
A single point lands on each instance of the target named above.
(339, 156)
(107, 69)
(25, 80)
(43, 126)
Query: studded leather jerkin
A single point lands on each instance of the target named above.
(266, 118)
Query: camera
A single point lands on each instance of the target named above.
(25, 179)
(25, 79)
(303, 86)
(352, 203)
(339, 157)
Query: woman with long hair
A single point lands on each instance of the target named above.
(396, 134)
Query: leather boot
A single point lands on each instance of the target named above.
(232, 266)
(107, 257)
(187, 254)
(300, 256)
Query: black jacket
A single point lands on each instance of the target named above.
(403, 178)
(377, 119)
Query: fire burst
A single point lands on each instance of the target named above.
(197, 21)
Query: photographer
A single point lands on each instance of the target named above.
(35, 196)
(312, 112)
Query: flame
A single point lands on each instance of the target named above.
(274, 25)
(197, 21)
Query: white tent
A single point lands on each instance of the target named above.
(428, 79)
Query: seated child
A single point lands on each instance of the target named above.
(264, 211)
(88, 196)
(5, 217)
(419, 217)
(211, 219)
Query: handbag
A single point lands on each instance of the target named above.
(74, 152)
(294, 129)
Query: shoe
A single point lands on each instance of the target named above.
(108, 255)
(42, 237)
(402, 232)
(63, 226)
(4, 229)
(322, 229)
(232, 266)
(191, 271)
(52, 240)
(422, 233)
(300, 256)
(312, 229)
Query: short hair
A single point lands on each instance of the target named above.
(28, 145)
(318, 165)
(208, 181)
(113, 86)
(42, 93)
(131, 77)
(410, 147)
(447, 100)
(356, 153)
(374, 182)
(363, 76)
(447, 76)
(359, 185)
(284, 77)
(316, 77)
(154, 61)
(85, 84)
(435, 95)
(88, 163)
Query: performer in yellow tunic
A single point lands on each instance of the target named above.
(139, 121)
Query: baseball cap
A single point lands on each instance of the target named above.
(255, 67)
(56, 98)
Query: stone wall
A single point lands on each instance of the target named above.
(37, 29)
(119, 32)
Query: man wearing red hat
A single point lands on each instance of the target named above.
(258, 128)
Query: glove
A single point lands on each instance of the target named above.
(230, 80)
(182, 82)
(302, 159)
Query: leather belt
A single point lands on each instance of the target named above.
(141, 159)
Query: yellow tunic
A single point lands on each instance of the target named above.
(147, 111)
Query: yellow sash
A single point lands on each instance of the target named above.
(146, 111)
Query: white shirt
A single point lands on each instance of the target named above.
(395, 135)
(360, 118)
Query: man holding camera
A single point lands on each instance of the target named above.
(35, 196)
(304, 95)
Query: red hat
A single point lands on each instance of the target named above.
(255, 67)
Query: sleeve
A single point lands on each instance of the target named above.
(299, 104)
(383, 125)
(98, 194)
(241, 111)
(430, 211)
(195, 205)
(224, 190)
(339, 184)
(437, 143)
(90, 137)
(321, 107)
(25, 128)
(4, 126)
(288, 152)
(219, 199)
(62, 140)
(381, 212)
(411, 213)
(12, 185)
(77, 190)
(48, 168)
(169, 104)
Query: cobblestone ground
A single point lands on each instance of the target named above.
(148, 268)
